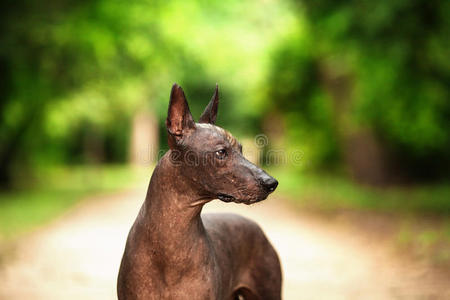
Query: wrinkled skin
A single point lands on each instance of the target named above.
(232, 178)
(174, 252)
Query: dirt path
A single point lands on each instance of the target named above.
(77, 256)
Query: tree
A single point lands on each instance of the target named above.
(382, 69)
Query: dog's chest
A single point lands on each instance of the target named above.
(196, 278)
(191, 289)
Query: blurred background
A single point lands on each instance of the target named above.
(352, 97)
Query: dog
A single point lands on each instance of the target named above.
(174, 252)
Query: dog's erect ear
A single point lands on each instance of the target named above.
(179, 119)
(210, 113)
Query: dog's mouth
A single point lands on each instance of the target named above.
(226, 198)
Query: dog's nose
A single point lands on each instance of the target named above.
(269, 183)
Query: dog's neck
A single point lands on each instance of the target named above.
(169, 220)
(170, 189)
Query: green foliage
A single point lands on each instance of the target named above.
(306, 109)
(71, 70)
(381, 64)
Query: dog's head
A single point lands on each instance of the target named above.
(210, 157)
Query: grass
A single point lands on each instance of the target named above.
(332, 192)
(55, 190)
(417, 217)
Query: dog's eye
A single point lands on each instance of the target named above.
(221, 154)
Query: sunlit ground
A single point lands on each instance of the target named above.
(55, 190)
(77, 255)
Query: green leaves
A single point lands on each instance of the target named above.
(383, 66)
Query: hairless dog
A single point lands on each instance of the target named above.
(174, 252)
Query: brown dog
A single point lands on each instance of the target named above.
(174, 253)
